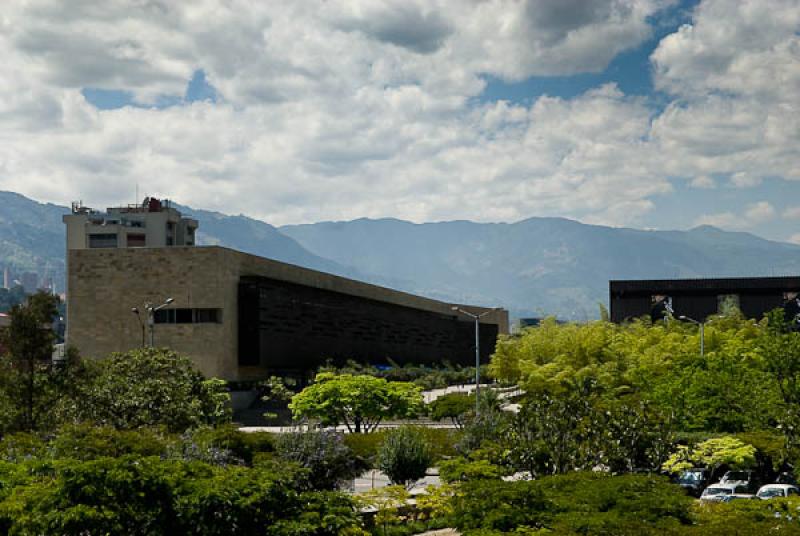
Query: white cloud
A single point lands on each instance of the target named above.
(703, 182)
(759, 212)
(754, 214)
(795, 239)
(791, 213)
(332, 110)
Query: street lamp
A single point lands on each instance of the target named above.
(477, 351)
(151, 313)
(702, 332)
(135, 310)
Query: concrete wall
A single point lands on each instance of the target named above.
(104, 284)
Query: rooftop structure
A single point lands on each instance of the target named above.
(153, 223)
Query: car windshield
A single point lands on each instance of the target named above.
(717, 491)
(690, 477)
(771, 492)
(736, 475)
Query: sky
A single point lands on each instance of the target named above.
(639, 113)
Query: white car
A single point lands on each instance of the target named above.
(716, 492)
(771, 491)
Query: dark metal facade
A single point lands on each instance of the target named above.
(699, 298)
(287, 327)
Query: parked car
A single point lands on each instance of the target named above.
(770, 491)
(741, 478)
(717, 492)
(693, 481)
(737, 497)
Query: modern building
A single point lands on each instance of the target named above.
(152, 224)
(699, 298)
(242, 317)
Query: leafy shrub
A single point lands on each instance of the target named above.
(453, 406)
(242, 445)
(464, 469)
(87, 442)
(149, 496)
(576, 503)
(442, 443)
(405, 455)
(21, 446)
(324, 454)
(153, 387)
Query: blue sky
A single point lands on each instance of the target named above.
(642, 113)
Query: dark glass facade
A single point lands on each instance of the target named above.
(286, 327)
(700, 298)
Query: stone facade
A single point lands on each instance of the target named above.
(103, 285)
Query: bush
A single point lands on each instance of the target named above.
(245, 446)
(453, 406)
(441, 441)
(153, 387)
(323, 453)
(149, 496)
(405, 455)
(87, 442)
(577, 503)
(21, 446)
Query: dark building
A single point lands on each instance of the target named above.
(699, 298)
(290, 327)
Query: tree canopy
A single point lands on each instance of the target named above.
(359, 402)
(152, 386)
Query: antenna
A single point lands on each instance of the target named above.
(135, 201)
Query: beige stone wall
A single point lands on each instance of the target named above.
(104, 284)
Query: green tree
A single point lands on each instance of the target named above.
(151, 387)
(713, 454)
(553, 435)
(32, 385)
(453, 406)
(405, 455)
(359, 402)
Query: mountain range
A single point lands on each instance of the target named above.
(534, 267)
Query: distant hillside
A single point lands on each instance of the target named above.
(32, 237)
(533, 267)
(539, 265)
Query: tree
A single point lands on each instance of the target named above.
(359, 402)
(323, 453)
(453, 406)
(405, 455)
(151, 387)
(713, 453)
(552, 435)
(32, 384)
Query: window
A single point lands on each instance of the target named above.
(205, 316)
(136, 240)
(188, 316)
(103, 240)
(727, 303)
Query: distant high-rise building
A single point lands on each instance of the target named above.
(6, 278)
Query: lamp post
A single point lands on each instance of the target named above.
(702, 332)
(477, 351)
(135, 311)
(151, 313)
